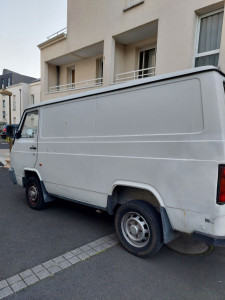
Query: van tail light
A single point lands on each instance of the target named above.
(221, 185)
(4, 129)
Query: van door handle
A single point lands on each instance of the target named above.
(33, 147)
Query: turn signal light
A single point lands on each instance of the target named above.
(221, 185)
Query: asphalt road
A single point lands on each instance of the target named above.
(30, 237)
(3, 144)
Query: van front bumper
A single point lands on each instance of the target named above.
(12, 176)
(209, 239)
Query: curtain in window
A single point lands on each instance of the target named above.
(209, 39)
(210, 33)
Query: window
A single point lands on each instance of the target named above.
(71, 73)
(3, 114)
(9, 81)
(209, 38)
(30, 125)
(147, 62)
(14, 120)
(14, 102)
(3, 103)
(32, 99)
(3, 83)
(99, 70)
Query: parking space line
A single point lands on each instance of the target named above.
(29, 277)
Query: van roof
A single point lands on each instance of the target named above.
(129, 84)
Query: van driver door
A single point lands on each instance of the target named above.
(25, 146)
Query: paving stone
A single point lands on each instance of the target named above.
(74, 260)
(38, 269)
(85, 248)
(77, 251)
(68, 255)
(98, 248)
(54, 269)
(3, 284)
(113, 243)
(106, 245)
(49, 263)
(18, 286)
(31, 280)
(100, 241)
(91, 252)
(13, 279)
(65, 264)
(5, 292)
(43, 274)
(92, 244)
(26, 274)
(83, 256)
(58, 259)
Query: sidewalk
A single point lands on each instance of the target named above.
(4, 153)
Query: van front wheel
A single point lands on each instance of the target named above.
(139, 228)
(34, 194)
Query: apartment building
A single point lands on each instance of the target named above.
(108, 42)
(9, 78)
(23, 95)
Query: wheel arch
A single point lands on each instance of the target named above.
(124, 191)
(28, 172)
(135, 189)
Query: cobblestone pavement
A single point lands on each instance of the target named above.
(31, 276)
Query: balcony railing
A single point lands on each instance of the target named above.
(64, 30)
(132, 75)
(77, 85)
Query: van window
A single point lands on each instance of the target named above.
(30, 125)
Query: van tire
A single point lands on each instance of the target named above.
(34, 194)
(139, 228)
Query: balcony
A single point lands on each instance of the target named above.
(86, 84)
(56, 34)
(133, 75)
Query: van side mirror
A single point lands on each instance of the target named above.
(11, 130)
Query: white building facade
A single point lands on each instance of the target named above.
(108, 42)
(23, 95)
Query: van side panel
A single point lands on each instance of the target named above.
(166, 135)
(65, 149)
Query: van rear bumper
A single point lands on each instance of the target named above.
(12, 176)
(209, 239)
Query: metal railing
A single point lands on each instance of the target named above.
(64, 30)
(132, 75)
(76, 85)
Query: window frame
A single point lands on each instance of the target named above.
(14, 103)
(23, 122)
(32, 99)
(207, 53)
(146, 48)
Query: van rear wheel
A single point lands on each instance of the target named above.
(34, 194)
(139, 228)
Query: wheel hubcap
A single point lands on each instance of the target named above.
(33, 193)
(135, 229)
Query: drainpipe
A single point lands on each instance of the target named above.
(20, 103)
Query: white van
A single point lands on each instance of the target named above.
(151, 151)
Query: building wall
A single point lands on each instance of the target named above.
(35, 91)
(90, 22)
(22, 102)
